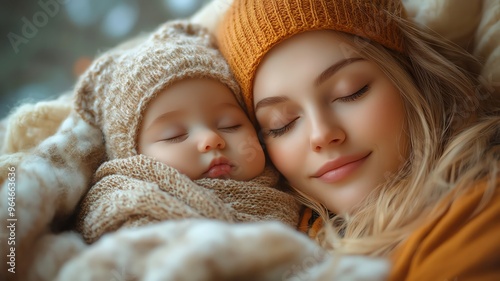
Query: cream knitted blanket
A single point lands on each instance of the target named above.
(139, 190)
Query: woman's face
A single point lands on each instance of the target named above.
(332, 121)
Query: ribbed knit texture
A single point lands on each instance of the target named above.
(139, 190)
(116, 89)
(251, 28)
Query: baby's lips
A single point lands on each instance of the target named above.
(219, 171)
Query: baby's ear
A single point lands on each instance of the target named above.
(90, 87)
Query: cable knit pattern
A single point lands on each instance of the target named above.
(139, 190)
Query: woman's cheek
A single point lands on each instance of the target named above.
(283, 158)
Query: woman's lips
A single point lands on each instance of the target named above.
(340, 168)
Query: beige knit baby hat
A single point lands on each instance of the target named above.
(116, 89)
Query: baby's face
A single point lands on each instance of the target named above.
(197, 127)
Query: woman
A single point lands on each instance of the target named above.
(372, 119)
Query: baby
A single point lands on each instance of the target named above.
(198, 127)
(168, 108)
(173, 98)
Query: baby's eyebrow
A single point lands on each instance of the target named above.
(162, 117)
(227, 106)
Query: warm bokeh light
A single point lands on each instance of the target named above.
(81, 65)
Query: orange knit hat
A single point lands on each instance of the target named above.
(251, 28)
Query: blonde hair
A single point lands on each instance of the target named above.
(452, 123)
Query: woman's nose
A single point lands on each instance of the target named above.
(325, 132)
(209, 140)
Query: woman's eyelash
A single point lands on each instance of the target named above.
(356, 95)
(280, 131)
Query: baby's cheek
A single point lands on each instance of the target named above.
(248, 148)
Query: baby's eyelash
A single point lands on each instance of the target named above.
(230, 129)
(176, 139)
(356, 95)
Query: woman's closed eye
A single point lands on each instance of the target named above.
(354, 96)
(282, 130)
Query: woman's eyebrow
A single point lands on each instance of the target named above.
(327, 73)
(270, 101)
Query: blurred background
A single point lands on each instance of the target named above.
(47, 43)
